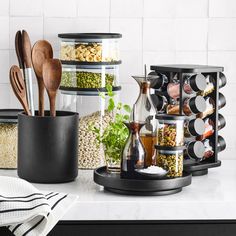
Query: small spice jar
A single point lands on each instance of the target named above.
(8, 138)
(209, 149)
(160, 82)
(160, 102)
(195, 150)
(194, 127)
(211, 84)
(209, 126)
(170, 130)
(170, 158)
(210, 105)
(192, 84)
(194, 105)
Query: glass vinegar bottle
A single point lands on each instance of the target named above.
(146, 112)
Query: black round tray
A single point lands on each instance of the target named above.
(144, 187)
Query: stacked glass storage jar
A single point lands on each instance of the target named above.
(90, 62)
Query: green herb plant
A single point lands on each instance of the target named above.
(114, 136)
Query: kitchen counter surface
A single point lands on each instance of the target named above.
(210, 197)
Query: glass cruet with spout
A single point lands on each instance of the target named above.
(146, 112)
(133, 156)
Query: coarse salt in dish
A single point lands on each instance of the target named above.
(153, 170)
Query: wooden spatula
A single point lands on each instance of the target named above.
(18, 86)
(52, 78)
(41, 51)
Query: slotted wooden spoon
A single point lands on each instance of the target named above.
(52, 78)
(18, 86)
(41, 51)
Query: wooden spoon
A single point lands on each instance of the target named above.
(41, 51)
(52, 78)
(18, 86)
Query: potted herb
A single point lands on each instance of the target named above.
(114, 136)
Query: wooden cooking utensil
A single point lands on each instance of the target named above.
(52, 78)
(18, 86)
(41, 51)
(18, 48)
(26, 49)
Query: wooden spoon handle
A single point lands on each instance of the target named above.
(52, 99)
(41, 97)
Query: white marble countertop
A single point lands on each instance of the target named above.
(212, 196)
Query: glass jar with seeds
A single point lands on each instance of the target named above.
(171, 159)
(90, 76)
(8, 138)
(90, 47)
(170, 130)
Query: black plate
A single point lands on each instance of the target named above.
(112, 182)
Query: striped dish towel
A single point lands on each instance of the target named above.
(24, 210)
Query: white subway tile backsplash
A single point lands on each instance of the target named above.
(191, 57)
(26, 8)
(60, 8)
(129, 93)
(191, 8)
(128, 69)
(191, 35)
(33, 25)
(131, 29)
(5, 96)
(222, 8)
(4, 29)
(127, 8)
(4, 7)
(97, 25)
(94, 8)
(4, 66)
(222, 34)
(158, 35)
(154, 32)
(226, 59)
(55, 26)
(158, 58)
(159, 8)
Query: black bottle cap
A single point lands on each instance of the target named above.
(196, 149)
(196, 127)
(197, 104)
(221, 144)
(221, 122)
(197, 82)
(222, 101)
(222, 80)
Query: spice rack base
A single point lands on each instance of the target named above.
(200, 169)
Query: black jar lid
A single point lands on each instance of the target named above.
(222, 101)
(9, 115)
(196, 127)
(196, 149)
(159, 81)
(90, 35)
(197, 104)
(197, 82)
(221, 122)
(221, 144)
(222, 80)
(167, 148)
(169, 117)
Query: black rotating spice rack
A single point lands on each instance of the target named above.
(177, 71)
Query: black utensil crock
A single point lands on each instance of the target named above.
(48, 147)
